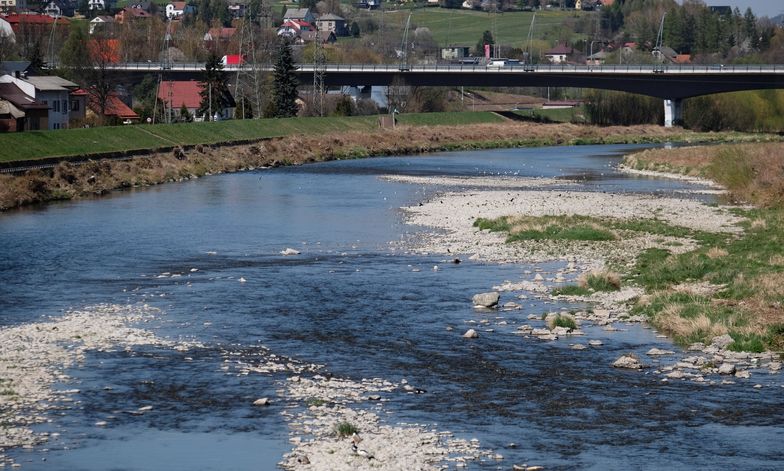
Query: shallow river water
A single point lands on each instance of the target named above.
(354, 302)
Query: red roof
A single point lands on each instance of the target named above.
(179, 5)
(33, 19)
(114, 107)
(180, 92)
(560, 49)
(79, 92)
(222, 33)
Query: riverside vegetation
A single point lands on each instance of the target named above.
(190, 154)
(731, 283)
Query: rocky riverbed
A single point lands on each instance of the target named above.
(34, 359)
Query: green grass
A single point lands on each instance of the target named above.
(564, 115)
(314, 401)
(465, 27)
(74, 142)
(603, 282)
(453, 118)
(571, 290)
(346, 429)
(546, 228)
(565, 321)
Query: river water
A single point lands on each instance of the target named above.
(356, 302)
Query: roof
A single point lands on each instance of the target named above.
(560, 49)
(102, 19)
(13, 94)
(34, 19)
(134, 12)
(330, 17)
(683, 59)
(297, 24)
(10, 67)
(79, 92)
(50, 82)
(7, 108)
(114, 107)
(598, 55)
(182, 92)
(178, 5)
(221, 33)
(299, 13)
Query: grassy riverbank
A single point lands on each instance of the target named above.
(119, 139)
(729, 283)
(303, 140)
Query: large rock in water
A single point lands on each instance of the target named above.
(722, 341)
(486, 299)
(727, 369)
(629, 361)
(471, 334)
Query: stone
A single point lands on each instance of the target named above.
(560, 331)
(471, 334)
(696, 347)
(261, 402)
(538, 277)
(540, 332)
(595, 343)
(657, 352)
(290, 251)
(727, 369)
(757, 386)
(578, 346)
(628, 361)
(722, 341)
(486, 299)
(774, 366)
(742, 374)
(677, 374)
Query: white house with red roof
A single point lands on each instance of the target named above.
(294, 28)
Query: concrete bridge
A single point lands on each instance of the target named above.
(670, 83)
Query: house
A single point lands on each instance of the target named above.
(175, 10)
(560, 54)
(454, 53)
(104, 5)
(101, 23)
(50, 90)
(292, 28)
(332, 23)
(598, 58)
(115, 109)
(665, 54)
(303, 14)
(237, 9)
(578, 5)
(220, 34)
(147, 6)
(178, 93)
(7, 5)
(326, 37)
(683, 59)
(14, 68)
(78, 107)
(131, 14)
(35, 23)
(58, 8)
(368, 4)
(19, 111)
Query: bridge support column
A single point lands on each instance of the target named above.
(673, 112)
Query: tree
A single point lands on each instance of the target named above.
(185, 115)
(344, 107)
(215, 91)
(487, 38)
(75, 54)
(284, 81)
(354, 29)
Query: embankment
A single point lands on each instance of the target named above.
(69, 180)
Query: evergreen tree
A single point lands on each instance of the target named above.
(284, 82)
(215, 91)
(750, 28)
(185, 115)
(487, 38)
(354, 29)
(75, 55)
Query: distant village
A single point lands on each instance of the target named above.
(36, 38)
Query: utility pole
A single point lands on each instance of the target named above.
(319, 71)
(248, 75)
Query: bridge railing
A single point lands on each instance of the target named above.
(474, 68)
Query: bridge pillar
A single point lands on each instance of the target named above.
(673, 112)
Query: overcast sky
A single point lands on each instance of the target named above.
(768, 8)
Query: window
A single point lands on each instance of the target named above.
(74, 105)
(65, 106)
(56, 126)
(56, 106)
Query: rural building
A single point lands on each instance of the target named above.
(332, 23)
(220, 34)
(560, 54)
(302, 14)
(56, 92)
(115, 110)
(19, 111)
(131, 14)
(102, 24)
(452, 53)
(175, 10)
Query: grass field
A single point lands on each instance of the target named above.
(465, 27)
(565, 115)
(74, 142)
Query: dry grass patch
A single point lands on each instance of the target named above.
(600, 281)
(715, 252)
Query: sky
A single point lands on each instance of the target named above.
(769, 8)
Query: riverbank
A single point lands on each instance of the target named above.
(696, 272)
(94, 178)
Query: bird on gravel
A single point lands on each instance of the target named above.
(361, 452)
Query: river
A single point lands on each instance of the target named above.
(356, 301)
